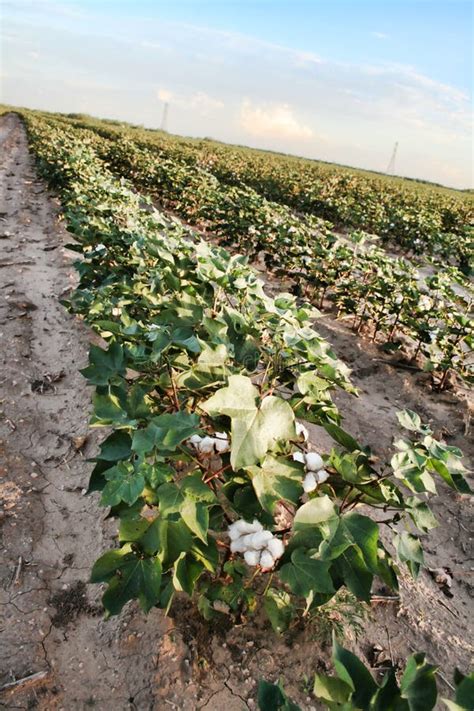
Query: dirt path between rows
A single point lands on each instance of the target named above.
(51, 623)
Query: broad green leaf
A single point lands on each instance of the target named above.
(329, 688)
(409, 551)
(255, 427)
(117, 446)
(271, 697)
(138, 578)
(186, 572)
(124, 484)
(418, 684)
(351, 670)
(104, 364)
(411, 421)
(365, 534)
(314, 513)
(165, 432)
(279, 609)
(276, 480)
(305, 575)
(352, 569)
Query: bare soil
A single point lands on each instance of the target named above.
(57, 650)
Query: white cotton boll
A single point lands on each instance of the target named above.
(252, 558)
(221, 445)
(298, 457)
(266, 560)
(248, 540)
(322, 476)
(309, 483)
(221, 435)
(276, 548)
(234, 530)
(206, 446)
(238, 546)
(260, 539)
(314, 462)
(302, 431)
(195, 439)
(246, 527)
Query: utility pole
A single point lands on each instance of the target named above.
(391, 165)
(164, 120)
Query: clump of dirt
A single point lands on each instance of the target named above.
(71, 603)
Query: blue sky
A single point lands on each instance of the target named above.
(340, 80)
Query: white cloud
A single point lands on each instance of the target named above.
(276, 121)
(379, 35)
(198, 101)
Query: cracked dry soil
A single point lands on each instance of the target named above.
(57, 652)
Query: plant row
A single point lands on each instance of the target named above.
(204, 381)
(420, 218)
(387, 297)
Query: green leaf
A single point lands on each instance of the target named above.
(271, 697)
(418, 684)
(452, 476)
(104, 364)
(329, 688)
(351, 567)
(117, 446)
(196, 517)
(108, 408)
(279, 609)
(409, 420)
(306, 575)
(342, 437)
(186, 572)
(314, 513)
(351, 671)
(365, 534)
(138, 578)
(421, 514)
(165, 432)
(124, 484)
(276, 480)
(255, 429)
(409, 551)
(464, 690)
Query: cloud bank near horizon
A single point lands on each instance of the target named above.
(235, 88)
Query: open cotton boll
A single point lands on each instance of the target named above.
(314, 462)
(322, 476)
(206, 446)
(252, 557)
(221, 435)
(221, 445)
(259, 540)
(195, 439)
(238, 546)
(234, 530)
(301, 431)
(298, 457)
(309, 482)
(267, 560)
(276, 548)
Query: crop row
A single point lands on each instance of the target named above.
(386, 296)
(422, 219)
(202, 380)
